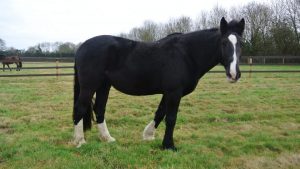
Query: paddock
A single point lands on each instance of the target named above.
(251, 124)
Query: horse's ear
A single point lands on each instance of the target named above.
(223, 26)
(241, 27)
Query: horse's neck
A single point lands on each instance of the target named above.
(204, 49)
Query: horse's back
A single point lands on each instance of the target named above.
(100, 54)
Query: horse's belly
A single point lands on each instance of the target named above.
(135, 85)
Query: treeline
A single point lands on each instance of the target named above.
(271, 29)
(45, 49)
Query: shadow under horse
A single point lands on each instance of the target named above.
(8, 60)
(171, 66)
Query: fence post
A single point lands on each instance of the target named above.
(56, 61)
(283, 60)
(250, 63)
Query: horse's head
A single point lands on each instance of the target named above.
(231, 47)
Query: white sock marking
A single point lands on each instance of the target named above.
(104, 133)
(232, 38)
(149, 131)
(79, 134)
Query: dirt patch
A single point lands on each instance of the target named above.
(5, 127)
(283, 161)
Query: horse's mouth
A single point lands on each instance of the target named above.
(232, 80)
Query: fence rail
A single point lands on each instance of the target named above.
(244, 59)
(48, 67)
(215, 71)
(257, 60)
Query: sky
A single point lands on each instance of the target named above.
(25, 23)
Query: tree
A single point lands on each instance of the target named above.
(183, 24)
(293, 8)
(258, 18)
(201, 21)
(2, 45)
(34, 50)
(284, 39)
(45, 47)
(215, 16)
(235, 13)
(67, 47)
(279, 12)
(148, 32)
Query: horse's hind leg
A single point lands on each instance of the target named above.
(17, 66)
(149, 131)
(99, 108)
(81, 109)
(8, 67)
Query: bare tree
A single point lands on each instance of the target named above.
(183, 24)
(235, 13)
(215, 16)
(258, 19)
(279, 12)
(293, 8)
(201, 21)
(298, 11)
(148, 32)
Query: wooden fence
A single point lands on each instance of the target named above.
(255, 60)
(265, 60)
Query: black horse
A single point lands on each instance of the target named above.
(171, 66)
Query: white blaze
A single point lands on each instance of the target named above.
(232, 38)
(104, 133)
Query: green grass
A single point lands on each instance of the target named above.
(254, 123)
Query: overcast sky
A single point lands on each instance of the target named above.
(25, 23)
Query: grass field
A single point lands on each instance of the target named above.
(252, 124)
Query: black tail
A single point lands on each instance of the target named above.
(87, 117)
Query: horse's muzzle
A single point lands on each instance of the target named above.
(233, 77)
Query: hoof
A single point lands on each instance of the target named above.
(148, 138)
(79, 142)
(171, 148)
(108, 139)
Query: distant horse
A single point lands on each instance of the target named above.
(171, 66)
(7, 60)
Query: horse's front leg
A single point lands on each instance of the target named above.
(8, 67)
(172, 101)
(149, 131)
(17, 66)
